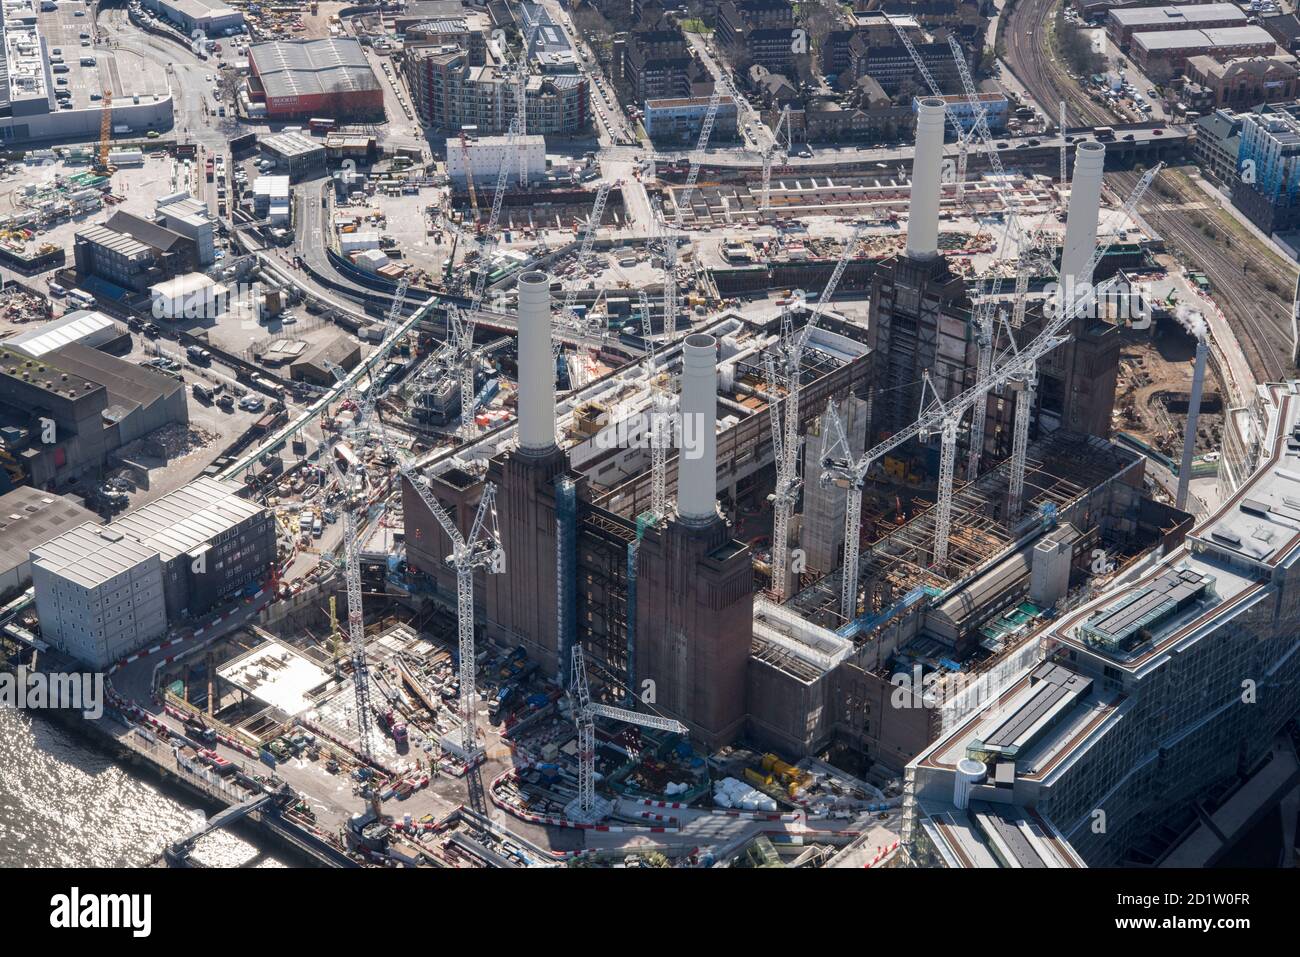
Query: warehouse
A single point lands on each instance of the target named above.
(341, 351)
(305, 78)
(1162, 55)
(30, 517)
(140, 399)
(212, 542)
(212, 17)
(1123, 23)
(92, 329)
(189, 296)
(99, 593)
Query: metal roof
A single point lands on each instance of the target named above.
(1196, 13)
(80, 326)
(189, 517)
(90, 555)
(1196, 39)
(312, 67)
(30, 517)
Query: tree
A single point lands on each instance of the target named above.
(1076, 48)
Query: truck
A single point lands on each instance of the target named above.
(200, 732)
(1105, 133)
(207, 169)
(499, 701)
(393, 725)
(201, 392)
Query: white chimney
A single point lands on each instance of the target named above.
(1193, 413)
(536, 364)
(927, 181)
(1085, 206)
(697, 460)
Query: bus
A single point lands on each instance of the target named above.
(81, 298)
(1104, 133)
(321, 124)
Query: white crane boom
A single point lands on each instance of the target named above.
(706, 130)
(587, 808)
(588, 240)
(636, 717)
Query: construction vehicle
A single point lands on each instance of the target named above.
(394, 725)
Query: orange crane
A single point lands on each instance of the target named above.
(105, 132)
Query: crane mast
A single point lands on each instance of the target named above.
(1021, 365)
(660, 435)
(706, 130)
(768, 154)
(587, 807)
(588, 239)
(785, 417)
(480, 549)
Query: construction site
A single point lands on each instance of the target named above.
(601, 538)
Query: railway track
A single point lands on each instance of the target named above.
(1251, 287)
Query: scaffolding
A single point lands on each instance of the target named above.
(1060, 469)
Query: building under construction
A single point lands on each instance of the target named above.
(669, 609)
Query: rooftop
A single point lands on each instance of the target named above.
(310, 67)
(1191, 14)
(73, 327)
(129, 386)
(91, 555)
(30, 517)
(1194, 39)
(182, 520)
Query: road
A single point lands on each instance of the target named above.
(1249, 282)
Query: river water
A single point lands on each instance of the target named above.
(64, 803)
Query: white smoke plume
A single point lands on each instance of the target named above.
(1193, 322)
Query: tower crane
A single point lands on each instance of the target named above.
(521, 87)
(1061, 131)
(942, 417)
(588, 239)
(706, 130)
(660, 408)
(469, 175)
(785, 416)
(356, 622)
(782, 120)
(587, 808)
(481, 548)
(105, 132)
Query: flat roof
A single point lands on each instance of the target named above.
(184, 519)
(291, 144)
(30, 517)
(276, 675)
(76, 326)
(1195, 39)
(90, 555)
(1191, 14)
(128, 384)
